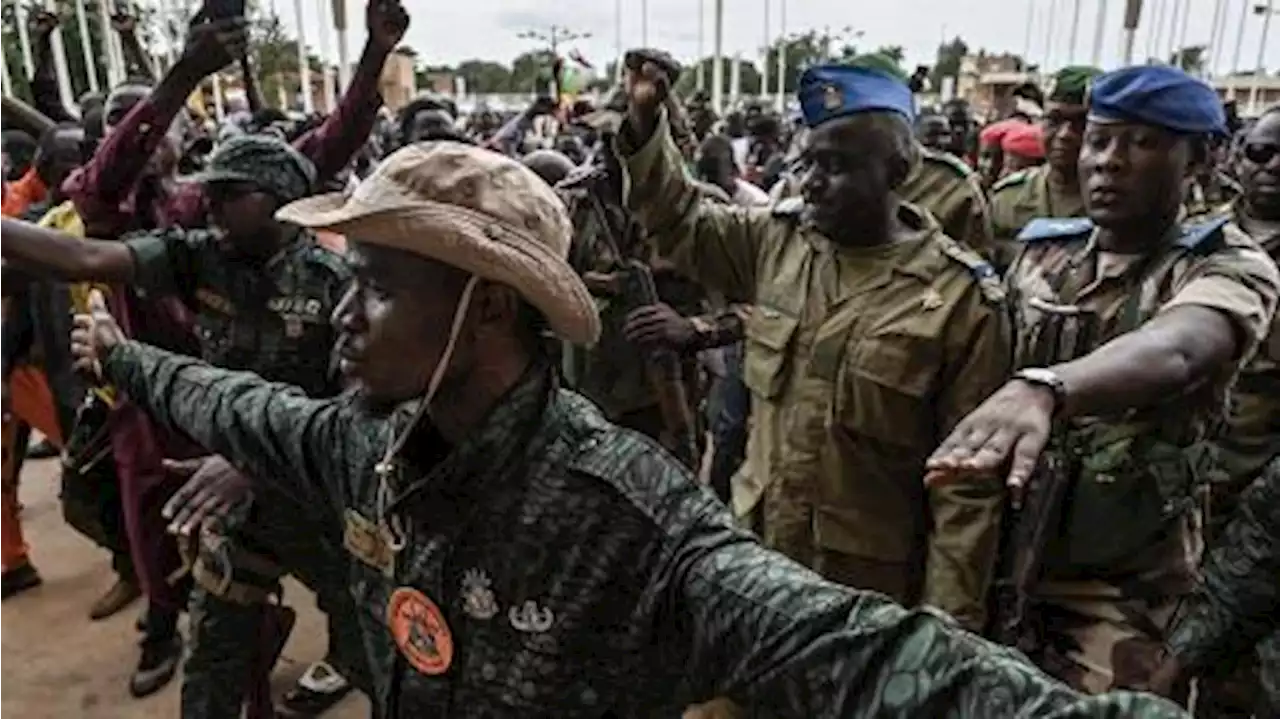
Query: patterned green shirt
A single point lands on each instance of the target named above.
(576, 570)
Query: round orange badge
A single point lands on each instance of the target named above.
(420, 631)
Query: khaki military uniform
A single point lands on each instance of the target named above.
(1022, 197)
(859, 360)
(1129, 546)
(941, 184)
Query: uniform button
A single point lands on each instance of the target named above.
(589, 696)
(528, 690)
(489, 672)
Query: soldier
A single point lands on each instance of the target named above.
(512, 553)
(1130, 329)
(1252, 436)
(1023, 149)
(1051, 189)
(864, 320)
(263, 293)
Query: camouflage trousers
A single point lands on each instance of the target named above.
(1100, 644)
(1247, 686)
(223, 666)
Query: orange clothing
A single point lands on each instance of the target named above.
(23, 193)
(31, 404)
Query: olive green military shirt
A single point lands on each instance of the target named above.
(1207, 264)
(859, 362)
(945, 186)
(1022, 197)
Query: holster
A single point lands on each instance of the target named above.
(226, 570)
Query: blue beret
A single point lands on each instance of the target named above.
(830, 91)
(1158, 95)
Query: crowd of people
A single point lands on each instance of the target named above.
(630, 409)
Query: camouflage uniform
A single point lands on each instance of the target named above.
(573, 569)
(853, 358)
(1105, 603)
(1021, 198)
(271, 319)
(1250, 441)
(1238, 604)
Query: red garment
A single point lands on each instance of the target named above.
(992, 135)
(1025, 141)
(23, 193)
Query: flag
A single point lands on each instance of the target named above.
(578, 58)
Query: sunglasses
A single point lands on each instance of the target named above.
(1260, 153)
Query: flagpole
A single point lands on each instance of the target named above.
(340, 26)
(717, 69)
(782, 57)
(702, 53)
(86, 46)
(111, 51)
(24, 39)
(330, 102)
(1099, 30)
(764, 60)
(304, 65)
(60, 61)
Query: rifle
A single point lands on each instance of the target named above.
(663, 368)
(1034, 525)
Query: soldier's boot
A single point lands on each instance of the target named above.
(277, 624)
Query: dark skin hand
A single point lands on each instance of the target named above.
(1135, 173)
(63, 256)
(93, 336)
(213, 488)
(659, 326)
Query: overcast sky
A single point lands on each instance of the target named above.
(449, 32)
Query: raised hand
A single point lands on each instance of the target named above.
(387, 22)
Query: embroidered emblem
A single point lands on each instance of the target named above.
(365, 542)
(477, 596)
(832, 98)
(931, 300)
(531, 618)
(420, 631)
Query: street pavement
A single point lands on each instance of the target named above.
(58, 664)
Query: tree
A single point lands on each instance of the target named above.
(748, 76)
(531, 71)
(800, 51)
(893, 52)
(948, 62)
(485, 76)
(1190, 59)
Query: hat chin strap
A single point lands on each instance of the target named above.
(384, 468)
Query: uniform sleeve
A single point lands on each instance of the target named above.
(1238, 602)
(979, 234)
(1242, 283)
(271, 431)
(332, 145)
(759, 629)
(167, 261)
(713, 243)
(965, 536)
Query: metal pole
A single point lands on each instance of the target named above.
(24, 39)
(60, 61)
(86, 47)
(717, 68)
(1235, 56)
(1182, 33)
(326, 70)
(764, 60)
(111, 49)
(735, 80)
(1172, 46)
(1099, 30)
(1214, 28)
(6, 83)
(702, 52)
(162, 12)
(782, 56)
(1026, 43)
(1075, 31)
(1129, 29)
(1153, 34)
(617, 40)
(1260, 70)
(1048, 36)
(644, 23)
(340, 25)
(304, 65)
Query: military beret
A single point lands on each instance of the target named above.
(993, 135)
(1157, 95)
(1070, 83)
(1026, 140)
(831, 91)
(265, 161)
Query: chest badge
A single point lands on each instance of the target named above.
(477, 595)
(531, 618)
(931, 300)
(420, 631)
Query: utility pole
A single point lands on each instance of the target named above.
(717, 69)
(1259, 70)
(782, 57)
(304, 64)
(764, 60)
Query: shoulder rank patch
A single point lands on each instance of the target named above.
(948, 159)
(989, 282)
(1196, 233)
(1021, 177)
(1055, 228)
(790, 206)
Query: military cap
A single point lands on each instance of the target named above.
(1026, 140)
(1157, 95)
(1069, 84)
(262, 160)
(831, 91)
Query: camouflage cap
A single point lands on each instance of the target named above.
(263, 160)
(1069, 84)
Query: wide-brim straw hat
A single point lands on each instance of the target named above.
(473, 209)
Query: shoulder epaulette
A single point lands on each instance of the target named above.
(1055, 228)
(322, 256)
(984, 273)
(1021, 177)
(948, 159)
(1194, 234)
(788, 207)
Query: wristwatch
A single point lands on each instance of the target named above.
(1045, 377)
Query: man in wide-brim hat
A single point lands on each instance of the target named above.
(512, 553)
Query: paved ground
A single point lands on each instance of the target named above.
(57, 663)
